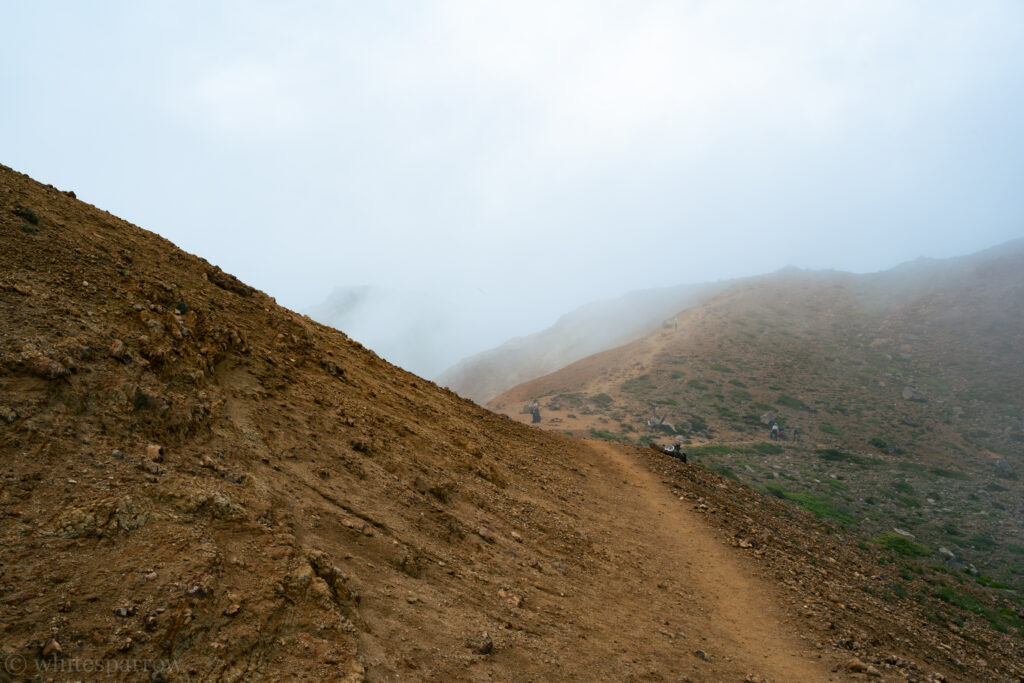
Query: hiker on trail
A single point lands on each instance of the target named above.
(535, 411)
(796, 433)
(679, 452)
(775, 430)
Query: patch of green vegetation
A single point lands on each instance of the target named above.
(727, 413)
(833, 455)
(912, 467)
(698, 424)
(717, 449)
(992, 583)
(676, 374)
(951, 529)
(27, 214)
(724, 471)
(908, 501)
(667, 402)
(999, 619)
(822, 507)
(737, 383)
(637, 384)
(880, 444)
(697, 384)
(768, 448)
(992, 486)
(791, 402)
(775, 387)
(983, 541)
(609, 436)
(836, 486)
(740, 396)
(901, 545)
(828, 428)
(602, 400)
(1015, 548)
(902, 486)
(718, 367)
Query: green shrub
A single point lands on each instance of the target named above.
(608, 436)
(902, 486)
(602, 400)
(725, 472)
(768, 448)
(792, 402)
(901, 545)
(697, 384)
(983, 541)
(717, 449)
(833, 455)
(28, 214)
(822, 507)
(637, 384)
(737, 383)
(830, 429)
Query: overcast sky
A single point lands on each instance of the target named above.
(529, 156)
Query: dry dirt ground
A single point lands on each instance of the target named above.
(197, 484)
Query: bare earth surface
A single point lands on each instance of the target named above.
(716, 604)
(197, 480)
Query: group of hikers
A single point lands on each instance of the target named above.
(778, 435)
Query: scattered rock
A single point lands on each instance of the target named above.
(700, 654)
(228, 282)
(912, 394)
(119, 351)
(47, 368)
(856, 666)
(1004, 469)
(8, 415)
(232, 609)
(152, 468)
(510, 597)
(486, 534)
(125, 612)
(482, 645)
(155, 452)
(52, 647)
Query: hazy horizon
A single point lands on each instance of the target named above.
(516, 161)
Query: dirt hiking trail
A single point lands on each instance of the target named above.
(680, 573)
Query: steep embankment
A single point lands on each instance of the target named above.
(195, 479)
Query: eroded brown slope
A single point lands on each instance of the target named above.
(314, 512)
(318, 513)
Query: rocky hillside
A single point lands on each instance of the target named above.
(587, 330)
(904, 386)
(197, 484)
